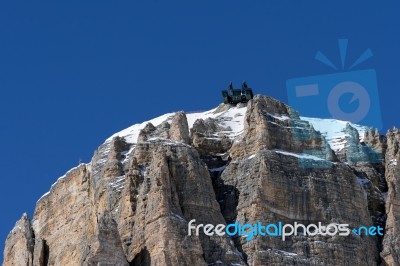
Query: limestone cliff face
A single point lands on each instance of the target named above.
(20, 244)
(132, 203)
(270, 124)
(391, 242)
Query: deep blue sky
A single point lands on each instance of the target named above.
(71, 74)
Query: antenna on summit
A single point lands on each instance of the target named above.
(235, 96)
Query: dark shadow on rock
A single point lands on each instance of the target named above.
(141, 259)
(228, 199)
(46, 254)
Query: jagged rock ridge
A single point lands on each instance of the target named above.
(257, 162)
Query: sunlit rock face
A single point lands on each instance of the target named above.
(254, 162)
(391, 241)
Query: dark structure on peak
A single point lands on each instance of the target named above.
(235, 96)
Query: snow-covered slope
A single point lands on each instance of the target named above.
(231, 120)
(132, 133)
(334, 131)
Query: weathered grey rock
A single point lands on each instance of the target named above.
(367, 161)
(106, 246)
(375, 140)
(168, 186)
(179, 130)
(272, 187)
(270, 124)
(132, 203)
(65, 218)
(146, 132)
(391, 241)
(40, 253)
(222, 107)
(20, 244)
(206, 140)
(151, 132)
(130, 208)
(357, 153)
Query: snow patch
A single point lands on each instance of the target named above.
(118, 184)
(127, 154)
(285, 253)
(178, 216)
(232, 119)
(251, 157)
(334, 130)
(167, 142)
(280, 252)
(132, 133)
(218, 169)
(300, 155)
(192, 117)
(280, 117)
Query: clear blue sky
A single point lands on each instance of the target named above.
(73, 73)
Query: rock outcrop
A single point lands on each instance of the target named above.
(391, 241)
(20, 244)
(259, 162)
(106, 246)
(179, 130)
(270, 124)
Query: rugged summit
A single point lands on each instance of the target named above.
(253, 162)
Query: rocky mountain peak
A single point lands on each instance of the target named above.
(20, 243)
(179, 130)
(257, 161)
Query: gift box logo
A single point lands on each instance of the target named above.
(348, 95)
